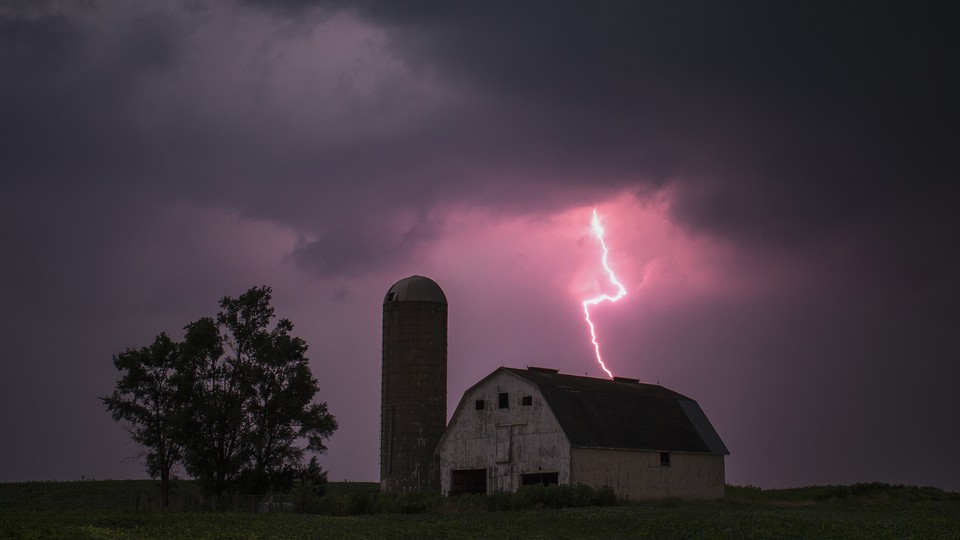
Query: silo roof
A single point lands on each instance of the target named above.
(415, 289)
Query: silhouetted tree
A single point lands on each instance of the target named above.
(211, 396)
(233, 402)
(145, 398)
(248, 392)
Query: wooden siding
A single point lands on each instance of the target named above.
(507, 442)
(638, 475)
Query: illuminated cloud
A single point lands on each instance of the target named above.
(777, 184)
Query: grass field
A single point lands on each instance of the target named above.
(101, 510)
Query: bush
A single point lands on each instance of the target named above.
(361, 502)
(499, 500)
(604, 496)
(413, 502)
(855, 493)
(553, 496)
(468, 502)
(305, 499)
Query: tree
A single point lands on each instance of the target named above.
(146, 398)
(234, 402)
(211, 396)
(285, 423)
(247, 390)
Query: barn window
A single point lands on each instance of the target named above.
(480, 405)
(503, 400)
(526, 401)
(664, 459)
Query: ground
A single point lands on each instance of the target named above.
(88, 510)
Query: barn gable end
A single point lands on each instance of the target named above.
(501, 431)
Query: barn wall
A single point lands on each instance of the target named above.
(638, 475)
(506, 442)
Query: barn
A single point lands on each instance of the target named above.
(529, 426)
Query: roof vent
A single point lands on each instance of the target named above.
(542, 369)
(569, 388)
(626, 380)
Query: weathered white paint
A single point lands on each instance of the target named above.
(506, 442)
(510, 442)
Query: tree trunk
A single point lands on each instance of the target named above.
(165, 488)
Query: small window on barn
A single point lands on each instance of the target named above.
(503, 401)
(664, 459)
(480, 405)
(526, 401)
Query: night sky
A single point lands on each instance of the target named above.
(778, 182)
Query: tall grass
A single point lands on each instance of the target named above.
(78, 510)
(873, 491)
(526, 498)
(144, 495)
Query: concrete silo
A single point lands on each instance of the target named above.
(413, 406)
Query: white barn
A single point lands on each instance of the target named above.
(535, 425)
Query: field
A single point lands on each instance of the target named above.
(104, 510)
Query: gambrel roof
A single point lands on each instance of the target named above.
(623, 413)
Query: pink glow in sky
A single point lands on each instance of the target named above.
(159, 155)
(621, 291)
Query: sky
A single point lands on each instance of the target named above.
(777, 181)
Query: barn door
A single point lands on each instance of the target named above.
(468, 481)
(503, 443)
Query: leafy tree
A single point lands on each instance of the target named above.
(145, 398)
(233, 402)
(211, 396)
(247, 389)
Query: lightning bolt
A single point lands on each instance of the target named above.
(621, 291)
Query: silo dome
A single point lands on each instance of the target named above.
(415, 289)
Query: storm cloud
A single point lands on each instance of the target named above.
(778, 183)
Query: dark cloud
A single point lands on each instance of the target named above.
(66, 105)
(785, 116)
(345, 251)
(779, 125)
(160, 155)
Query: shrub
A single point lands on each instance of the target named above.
(468, 502)
(361, 502)
(415, 502)
(498, 500)
(553, 496)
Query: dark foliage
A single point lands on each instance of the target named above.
(870, 491)
(238, 403)
(145, 398)
(367, 500)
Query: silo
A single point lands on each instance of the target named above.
(413, 406)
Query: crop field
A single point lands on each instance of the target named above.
(102, 510)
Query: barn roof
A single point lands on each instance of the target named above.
(624, 413)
